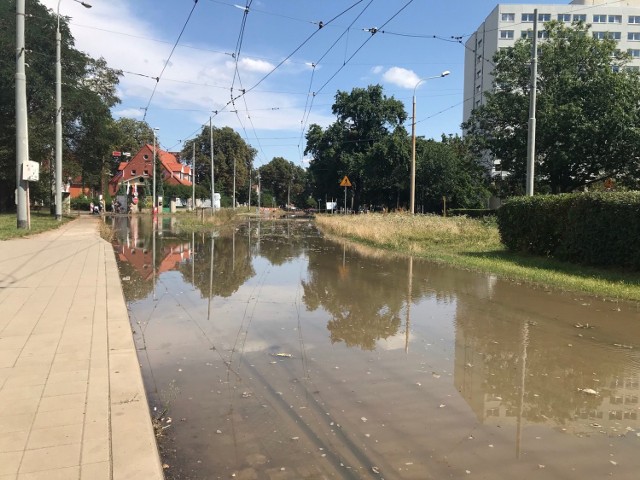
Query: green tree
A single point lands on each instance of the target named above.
(448, 169)
(229, 148)
(284, 179)
(365, 118)
(88, 92)
(587, 115)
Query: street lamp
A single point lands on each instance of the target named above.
(412, 202)
(59, 114)
(155, 202)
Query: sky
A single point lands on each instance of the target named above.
(206, 53)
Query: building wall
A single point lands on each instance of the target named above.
(506, 24)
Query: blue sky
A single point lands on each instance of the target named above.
(197, 73)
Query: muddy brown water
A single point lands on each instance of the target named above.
(279, 354)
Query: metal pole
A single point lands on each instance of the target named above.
(58, 183)
(193, 177)
(412, 195)
(155, 203)
(249, 204)
(259, 192)
(234, 182)
(22, 132)
(213, 178)
(345, 200)
(531, 140)
(58, 186)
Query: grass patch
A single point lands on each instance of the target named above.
(475, 244)
(40, 222)
(204, 220)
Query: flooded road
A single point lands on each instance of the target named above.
(278, 354)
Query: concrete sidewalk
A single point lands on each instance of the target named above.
(72, 402)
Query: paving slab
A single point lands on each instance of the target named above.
(72, 401)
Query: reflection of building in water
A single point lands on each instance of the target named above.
(141, 258)
(514, 365)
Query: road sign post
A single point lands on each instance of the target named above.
(345, 183)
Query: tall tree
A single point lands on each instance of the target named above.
(228, 148)
(365, 117)
(284, 180)
(587, 115)
(88, 91)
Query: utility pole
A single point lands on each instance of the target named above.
(531, 140)
(193, 177)
(213, 177)
(234, 182)
(249, 204)
(22, 132)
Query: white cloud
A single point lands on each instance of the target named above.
(401, 77)
(251, 65)
(129, 112)
(377, 70)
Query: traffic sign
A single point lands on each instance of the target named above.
(116, 154)
(345, 182)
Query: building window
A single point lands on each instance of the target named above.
(544, 17)
(479, 58)
(508, 17)
(634, 52)
(477, 103)
(478, 73)
(633, 36)
(543, 34)
(479, 43)
(615, 18)
(145, 156)
(528, 17)
(603, 35)
(599, 19)
(146, 172)
(526, 34)
(634, 18)
(580, 18)
(478, 88)
(506, 34)
(133, 172)
(564, 17)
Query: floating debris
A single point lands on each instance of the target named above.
(585, 325)
(588, 391)
(364, 419)
(284, 355)
(622, 345)
(375, 470)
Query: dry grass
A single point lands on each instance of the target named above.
(421, 235)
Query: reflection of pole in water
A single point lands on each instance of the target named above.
(407, 323)
(523, 374)
(153, 256)
(193, 263)
(211, 276)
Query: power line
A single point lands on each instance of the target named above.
(146, 109)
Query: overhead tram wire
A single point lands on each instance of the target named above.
(309, 104)
(146, 109)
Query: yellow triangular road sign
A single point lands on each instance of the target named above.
(345, 182)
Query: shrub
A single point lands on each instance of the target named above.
(597, 228)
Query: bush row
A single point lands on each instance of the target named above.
(597, 228)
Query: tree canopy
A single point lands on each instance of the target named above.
(285, 181)
(88, 92)
(228, 148)
(588, 109)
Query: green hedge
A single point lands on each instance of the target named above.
(599, 228)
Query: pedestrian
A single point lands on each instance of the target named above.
(91, 208)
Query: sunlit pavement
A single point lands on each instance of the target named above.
(72, 402)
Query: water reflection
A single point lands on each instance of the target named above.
(326, 360)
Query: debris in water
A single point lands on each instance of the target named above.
(442, 405)
(218, 432)
(165, 465)
(285, 355)
(540, 466)
(246, 394)
(612, 462)
(588, 391)
(375, 470)
(364, 419)
(585, 326)
(435, 375)
(622, 345)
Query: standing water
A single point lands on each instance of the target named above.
(269, 352)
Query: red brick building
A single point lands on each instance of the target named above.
(138, 172)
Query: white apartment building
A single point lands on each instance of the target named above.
(619, 20)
